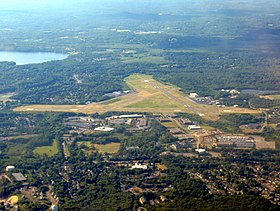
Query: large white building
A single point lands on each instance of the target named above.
(10, 168)
(194, 127)
(193, 95)
(131, 116)
(200, 151)
(139, 166)
(104, 129)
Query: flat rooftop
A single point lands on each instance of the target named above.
(19, 177)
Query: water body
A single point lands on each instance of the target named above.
(22, 58)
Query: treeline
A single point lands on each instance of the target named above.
(55, 82)
(84, 78)
(219, 203)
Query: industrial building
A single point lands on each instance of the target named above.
(194, 127)
(131, 116)
(19, 177)
(139, 166)
(241, 142)
(10, 168)
(104, 129)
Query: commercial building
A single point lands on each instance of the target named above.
(241, 142)
(193, 95)
(19, 177)
(143, 123)
(104, 129)
(10, 168)
(131, 116)
(175, 131)
(186, 121)
(181, 145)
(200, 151)
(194, 127)
(139, 166)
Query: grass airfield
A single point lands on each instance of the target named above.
(149, 96)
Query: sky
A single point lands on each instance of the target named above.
(37, 4)
(136, 5)
(85, 5)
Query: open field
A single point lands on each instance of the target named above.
(161, 167)
(6, 97)
(271, 97)
(110, 148)
(17, 149)
(239, 111)
(85, 143)
(262, 144)
(49, 150)
(27, 136)
(169, 124)
(149, 96)
(67, 151)
(157, 102)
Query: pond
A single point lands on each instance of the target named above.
(22, 58)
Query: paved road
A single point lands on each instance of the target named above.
(265, 124)
(64, 149)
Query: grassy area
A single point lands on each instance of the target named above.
(208, 127)
(6, 97)
(49, 150)
(110, 148)
(21, 144)
(169, 124)
(67, 152)
(272, 97)
(156, 102)
(149, 96)
(27, 136)
(134, 82)
(17, 149)
(108, 102)
(86, 143)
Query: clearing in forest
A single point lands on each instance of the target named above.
(271, 97)
(149, 96)
(48, 150)
(110, 148)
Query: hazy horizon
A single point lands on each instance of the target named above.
(135, 5)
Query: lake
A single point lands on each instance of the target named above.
(22, 58)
